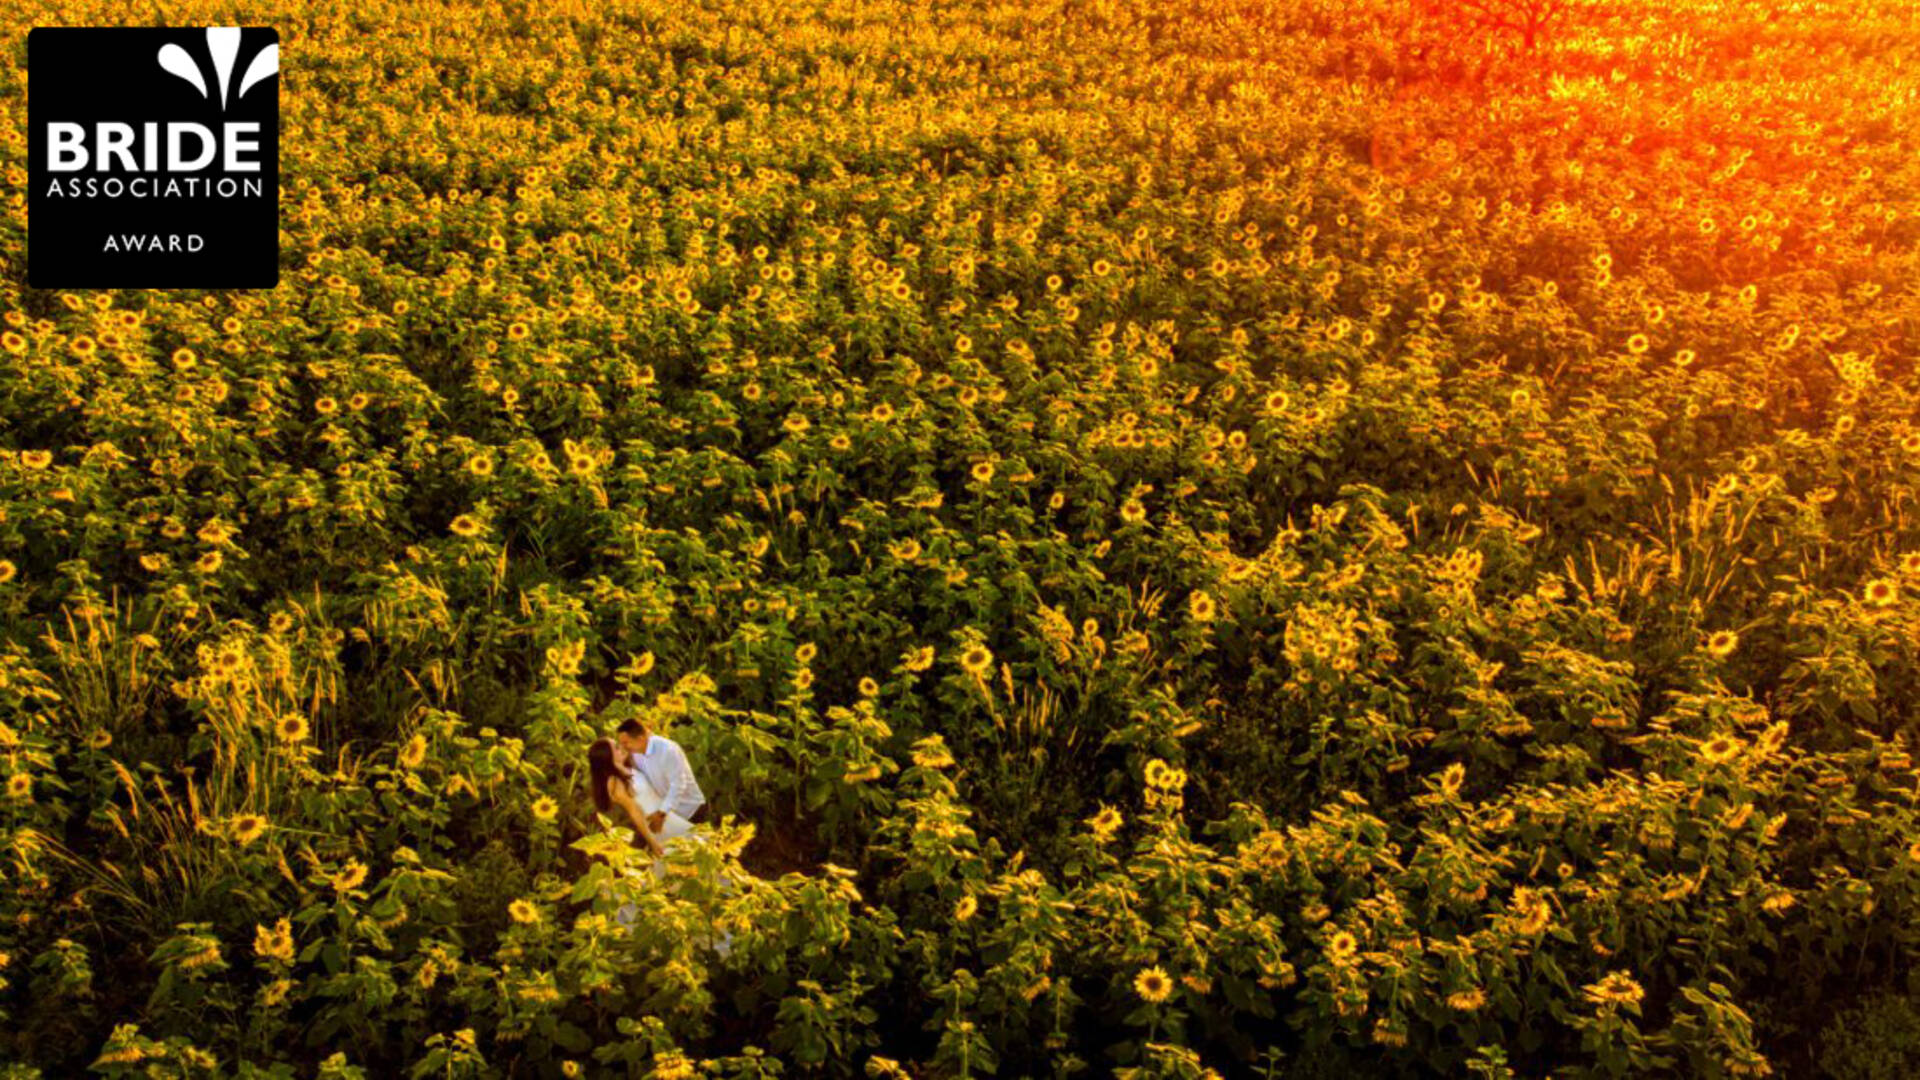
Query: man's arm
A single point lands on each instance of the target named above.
(680, 782)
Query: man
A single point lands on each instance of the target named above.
(664, 765)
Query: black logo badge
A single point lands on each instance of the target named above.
(153, 158)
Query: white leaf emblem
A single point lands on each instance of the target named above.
(176, 61)
(223, 44)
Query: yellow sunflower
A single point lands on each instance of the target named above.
(248, 827)
(351, 876)
(415, 752)
(1720, 749)
(1156, 773)
(1152, 985)
(977, 660)
(1617, 988)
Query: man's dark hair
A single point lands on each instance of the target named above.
(631, 727)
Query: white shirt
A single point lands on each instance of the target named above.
(664, 765)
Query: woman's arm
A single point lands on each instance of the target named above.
(625, 798)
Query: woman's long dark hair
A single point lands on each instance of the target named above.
(600, 765)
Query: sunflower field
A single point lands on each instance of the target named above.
(1269, 538)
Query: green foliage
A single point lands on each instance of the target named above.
(1292, 538)
(1877, 1038)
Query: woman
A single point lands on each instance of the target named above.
(611, 782)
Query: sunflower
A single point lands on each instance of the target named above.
(1133, 512)
(7, 571)
(1882, 592)
(905, 550)
(1467, 1000)
(1342, 946)
(1156, 773)
(1638, 344)
(1277, 402)
(882, 413)
(1152, 985)
(868, 687)
(917, 660)
(964, 910)
(183, 358)
(523, 912)
(1105, 823)
(36, 459)
(1617, 988)
(480, 465)
(1720, 749)
(415, 752)
(351, 876)
(1531, 911)
(517, 331)
(19, 786)
(274, 942)
(464, 525)
(983, 471)
(797, 423)
(100, 739)
(977, 660)
(1201, 606)
(209, 562)
(248, 827)
(544, 808)
(1723, 642)
(292, 727)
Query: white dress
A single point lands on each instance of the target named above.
(672, 829)
(650, 802)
